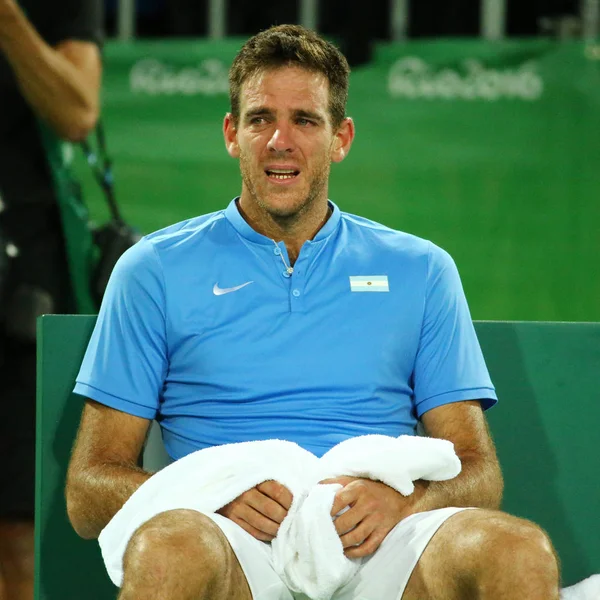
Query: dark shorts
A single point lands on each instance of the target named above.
(37, 280)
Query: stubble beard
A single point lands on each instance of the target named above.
(285, 216)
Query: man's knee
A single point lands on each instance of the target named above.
(484, 554)
(490, 540)
(177, 541)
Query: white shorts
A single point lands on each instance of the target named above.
(382, 575)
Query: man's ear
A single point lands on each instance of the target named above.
(230, 135)
(343, 140)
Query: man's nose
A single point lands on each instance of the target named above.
(282, 139)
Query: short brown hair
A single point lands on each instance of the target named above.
(291, 45)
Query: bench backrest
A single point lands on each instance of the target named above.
(546, 430)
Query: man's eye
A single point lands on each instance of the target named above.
(304, 122)
(257, 120)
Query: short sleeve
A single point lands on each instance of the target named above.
(125, 363)
(81, 20)
(449, 366)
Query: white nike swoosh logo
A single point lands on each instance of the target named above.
(217, 291)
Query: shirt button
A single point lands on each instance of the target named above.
(277, 251)
(286, 274)
(296, 293)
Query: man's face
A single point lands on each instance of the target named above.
(284, 140)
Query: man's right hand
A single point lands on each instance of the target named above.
(260, 510)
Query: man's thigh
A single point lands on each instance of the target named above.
(434, 575)
(445, 570)
(477, 548)
(385, 574)
(255, 561)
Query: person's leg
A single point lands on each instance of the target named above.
(183, 555)
(37, 283)
(16, 560)
(17, 449)
(485, 555)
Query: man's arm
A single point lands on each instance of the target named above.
(480, 481)
(377, 508)
(61, 84)
(103, 471)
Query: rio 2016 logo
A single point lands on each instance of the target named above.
(413, 78)
(157, 78)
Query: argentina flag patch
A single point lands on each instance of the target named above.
(371, 283)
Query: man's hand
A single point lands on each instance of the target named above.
(374, 510)
(260, 510)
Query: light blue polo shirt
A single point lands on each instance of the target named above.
(203, 329)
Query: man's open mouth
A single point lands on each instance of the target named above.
(282, 174)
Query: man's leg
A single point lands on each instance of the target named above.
(17, 448)
(182, 555)
(486, 555)
(16, 560)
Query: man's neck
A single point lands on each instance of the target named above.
(292, 232)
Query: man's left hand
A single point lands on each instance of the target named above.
(374, 510)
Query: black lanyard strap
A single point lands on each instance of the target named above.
(101, 165)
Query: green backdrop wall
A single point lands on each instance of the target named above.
(492, 151)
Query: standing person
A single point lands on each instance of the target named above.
(249, 324)
(49, 89)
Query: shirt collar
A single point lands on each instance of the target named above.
(233, 215)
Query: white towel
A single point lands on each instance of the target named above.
(588, 589)
(307, 552)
